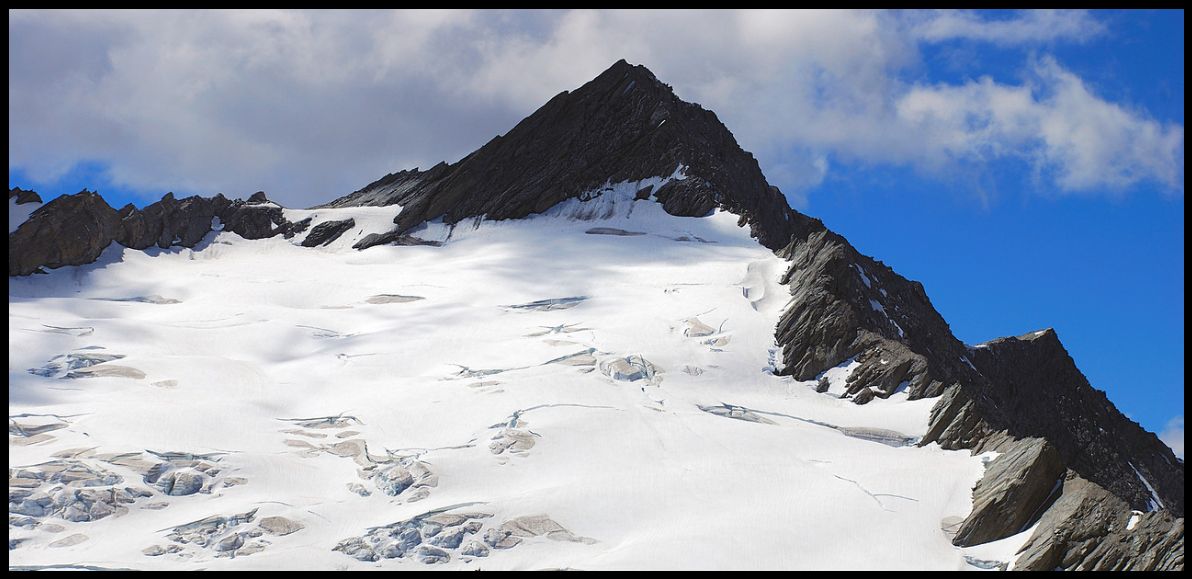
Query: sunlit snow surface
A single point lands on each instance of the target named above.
(604, 399)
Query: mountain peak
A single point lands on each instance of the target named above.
(1069, 461)
(622, 65)
(622, 71)
(1048, 333)
(624, 126)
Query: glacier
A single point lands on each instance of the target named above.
(266, 406)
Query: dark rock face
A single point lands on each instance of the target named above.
(624, 125)
(70, 230)
(186, 222)
(252, 221)
(22, 196)
(168, 222)
(391, 188)
(136, 231)
(1030, 389)
(846, 305)
(1014, 490)
(1033, 389)
(1088, 529)
(327, 232)
(956, 422)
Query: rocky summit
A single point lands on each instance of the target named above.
(625, 125)
(601, 340)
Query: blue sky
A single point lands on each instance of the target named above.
(1027, 167)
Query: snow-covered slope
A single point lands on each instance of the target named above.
(540, 393)
(19, 212)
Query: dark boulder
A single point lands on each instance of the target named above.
(392, 238)
(327, 232)
(863, 396)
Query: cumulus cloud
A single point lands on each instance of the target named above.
(1173, 435)
(1054, 122)
(304, 105)
(310, 105)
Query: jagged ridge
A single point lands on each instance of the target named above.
(75, 229)
(1022, 397)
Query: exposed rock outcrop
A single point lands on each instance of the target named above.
(69, 230)
(847, 305)
(1030, 387)
(24, 196)
(1030, 390)
(257, 218)
(327, 232)
(1035, 389)
(1090, 529)
(75, 229)
(168, 222)
(391, 188)
(392, 238)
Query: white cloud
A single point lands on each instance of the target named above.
(1173, 435)
(304, 105)
(1054, 122)
(1027, 26)
(310, 105)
